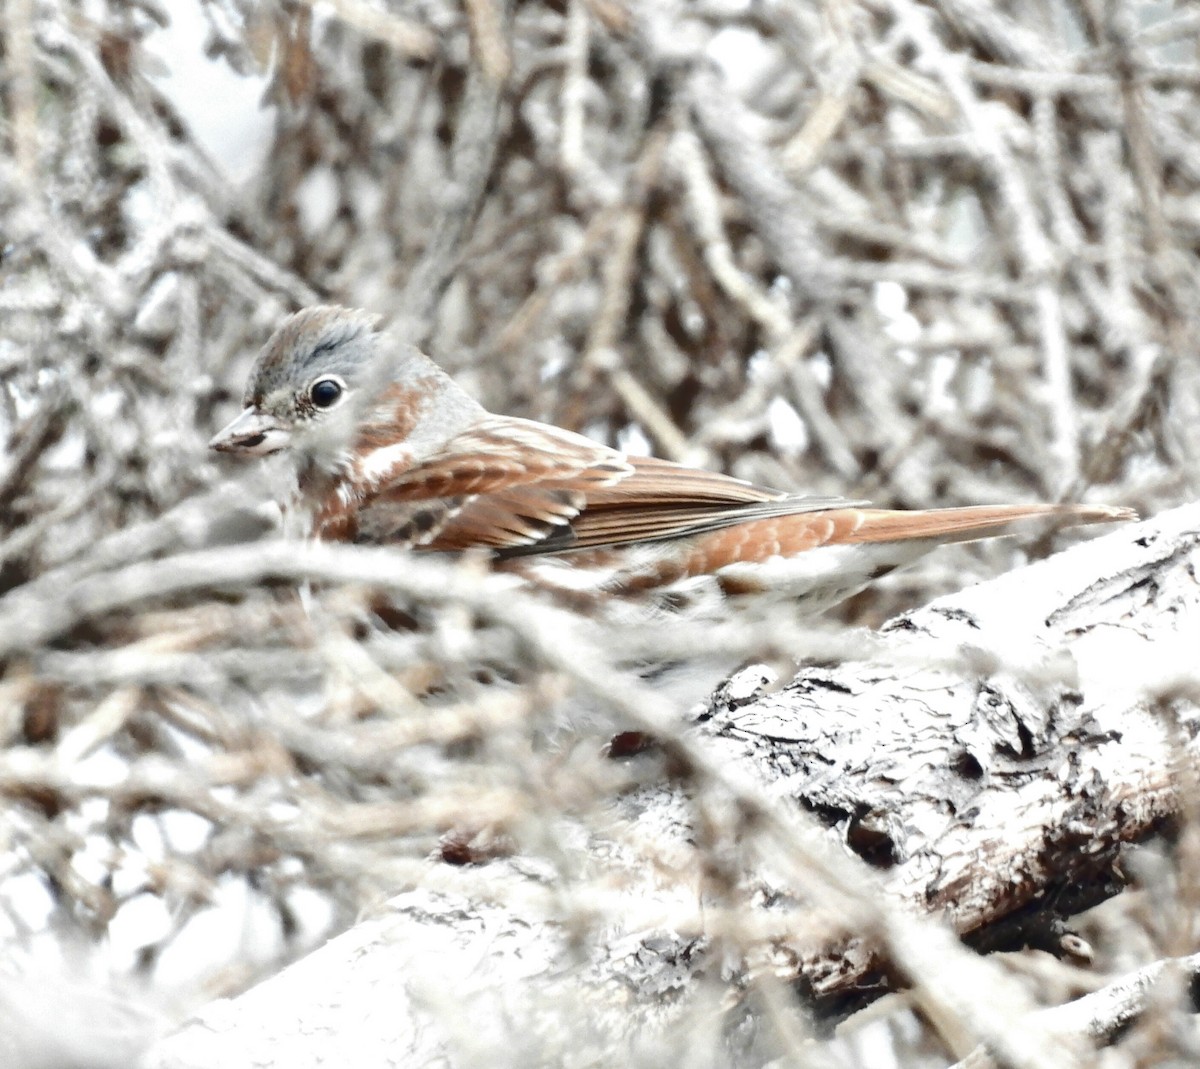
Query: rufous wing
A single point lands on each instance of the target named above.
(520, 487)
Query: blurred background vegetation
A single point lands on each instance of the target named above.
(925, 253)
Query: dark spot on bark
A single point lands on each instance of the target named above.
(1193, 990)
(967, 765)
(1028, 749)
(867, 837)
(960, 615)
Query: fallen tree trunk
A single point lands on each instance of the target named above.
(982, 765)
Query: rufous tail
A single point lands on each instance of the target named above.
(971, 522)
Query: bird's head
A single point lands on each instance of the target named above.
(308, 383)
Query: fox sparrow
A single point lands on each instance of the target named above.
(389, 450)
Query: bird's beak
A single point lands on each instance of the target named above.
(253, 433)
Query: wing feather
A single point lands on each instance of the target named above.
(501, 452)
(520, 487)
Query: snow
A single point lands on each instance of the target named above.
(221, 108)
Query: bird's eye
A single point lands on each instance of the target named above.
(325, 392)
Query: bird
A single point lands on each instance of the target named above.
(387, 449)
